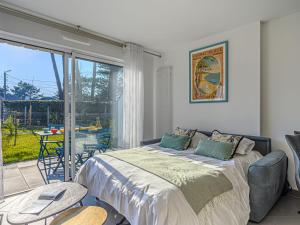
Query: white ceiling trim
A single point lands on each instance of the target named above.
(67, 27)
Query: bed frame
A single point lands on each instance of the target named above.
(262, 144)
(266, 177)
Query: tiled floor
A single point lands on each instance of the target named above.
(284, 212)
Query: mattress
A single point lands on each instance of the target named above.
(146, 199)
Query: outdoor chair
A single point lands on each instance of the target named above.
(80, 158)
(60, 152)
(103, 139)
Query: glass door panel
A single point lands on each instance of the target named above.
(97, 98)
(32, 93)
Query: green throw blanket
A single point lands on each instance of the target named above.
(199, 183)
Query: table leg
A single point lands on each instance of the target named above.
(60, 161)
(45, 151)
(42, 155)
(41, 150)
(48, 155)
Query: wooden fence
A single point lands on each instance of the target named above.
(40, 113)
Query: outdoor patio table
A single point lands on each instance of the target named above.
(43, 147)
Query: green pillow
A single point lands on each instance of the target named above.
(215, 149)
(178, 142)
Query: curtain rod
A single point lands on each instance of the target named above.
(66, 27)
(20, 43)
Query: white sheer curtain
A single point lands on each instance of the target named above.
(1, 160)
(133, 102)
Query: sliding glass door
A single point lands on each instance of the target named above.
(33, 90)
(97, 101)
(57, 110)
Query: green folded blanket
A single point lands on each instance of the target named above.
(199, 183)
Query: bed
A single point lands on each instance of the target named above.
(145, 198)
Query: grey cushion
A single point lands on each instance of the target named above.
(266, 179)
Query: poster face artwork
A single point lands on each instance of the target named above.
(209, 74)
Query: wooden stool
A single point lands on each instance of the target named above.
(87, 215)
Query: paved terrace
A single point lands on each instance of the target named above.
(23, 176)
(26, 175)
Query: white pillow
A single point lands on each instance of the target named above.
(245, 146)
(197, 138)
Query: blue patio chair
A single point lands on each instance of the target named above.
(103, 138)
(56, 126)
(105, 130)
(104, 141)
(80, 158)
(60, 152)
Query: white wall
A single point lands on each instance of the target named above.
(163, 101)
(281, 82)
(149, 70)
(151, 65)
(242, 113)
(264, 80)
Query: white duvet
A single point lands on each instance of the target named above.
(145, 199)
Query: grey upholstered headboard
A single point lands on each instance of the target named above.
(262, 144)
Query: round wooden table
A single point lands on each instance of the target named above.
(87, 215)
(74, 193)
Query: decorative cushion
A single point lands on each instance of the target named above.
(197, 138)
(246, 145)
(183, 131)
(178, 142)
(227, 138)
(215, 149)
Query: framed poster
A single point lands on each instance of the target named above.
(209, 74)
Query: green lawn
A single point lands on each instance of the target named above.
(27, 146)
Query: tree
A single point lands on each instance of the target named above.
(9, 124)
(93, 81)
(104, 84)
(25, 90)
(1, 92)
(58, 83)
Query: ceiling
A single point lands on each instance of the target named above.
(159, 23)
